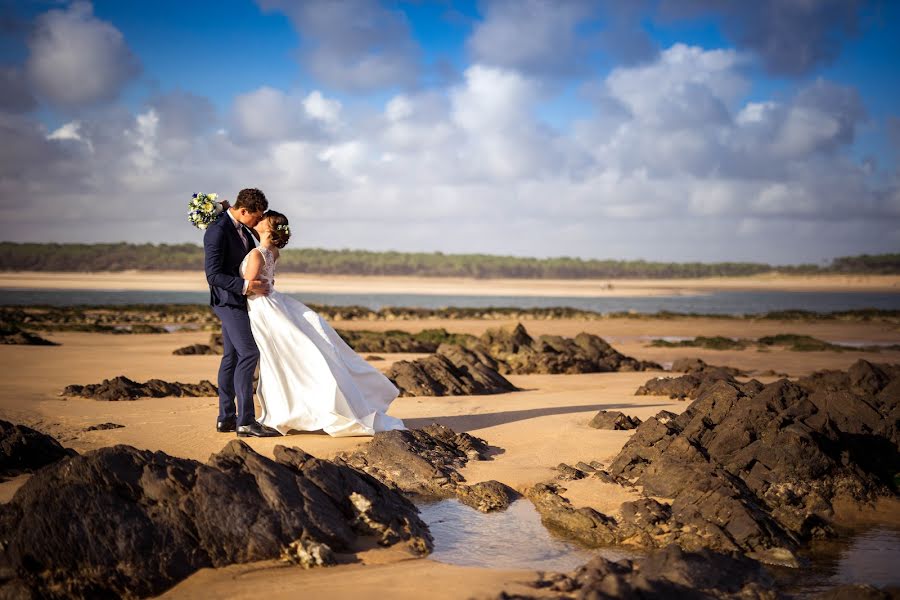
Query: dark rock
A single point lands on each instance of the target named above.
(487, 496)
(664, 416)
(25, 450)
(859, 592)
(425, 462)
(696, 365)
(674, 573)
(518, 353)
(693, 383)
(568, 473)
(104, 426)
(122, 388)
(194, 350)
(749, 469)
(14, 336)
(142, 521)
(427, 340)
(437, 375)
(372, 358)
(613, 420)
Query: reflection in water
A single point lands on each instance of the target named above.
(870, 557)
(511, 539)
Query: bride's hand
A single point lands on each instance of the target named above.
(225, 204)
(258, 287)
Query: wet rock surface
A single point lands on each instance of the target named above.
(25, 450)
(437, 375)
(664, 574)
(613, 419)
(122, 388)
(750, 471)
(142, 521)
(425, 462)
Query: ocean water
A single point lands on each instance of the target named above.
(720, 303)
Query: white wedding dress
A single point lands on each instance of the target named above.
(309, 378)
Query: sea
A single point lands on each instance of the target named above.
(715, 303)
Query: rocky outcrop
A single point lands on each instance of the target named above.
(516, 352)
(750, 471)
(104, 427)
(694, 383)
(214, 347)
(142, 521)
(437, 375)
(613, 419)
(425, 462)
(663, 574)
(427, 340)
(25, 450)
(122, 388)
(697, 365)
(16, 336)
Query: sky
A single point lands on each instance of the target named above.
(671, 130)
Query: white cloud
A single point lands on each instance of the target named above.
(76, 59)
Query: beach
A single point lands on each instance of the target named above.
(186, 281)
(535, 429)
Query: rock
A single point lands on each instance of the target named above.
(103, 427)
(696, 365)
(373, 358)
(437, 375)
(25, 450)
(393, 340)
(584, 525)
(122, 388)
(15, 336)
(613, 420)
(194, 350)
(568, 473)
(751, 469)
(664, 416)
(308, 554)
(142, 521)
(425, 462)
(518, 353)
(674, 573)
(487, 496)
(692, 384)
(859, 592)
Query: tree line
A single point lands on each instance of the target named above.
(189, 257)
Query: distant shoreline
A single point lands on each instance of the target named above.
(191, 281)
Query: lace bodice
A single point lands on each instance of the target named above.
(268, 270)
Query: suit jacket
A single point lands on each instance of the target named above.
(224, 252)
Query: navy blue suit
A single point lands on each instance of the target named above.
(224, 252)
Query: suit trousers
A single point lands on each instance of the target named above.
(239, 359)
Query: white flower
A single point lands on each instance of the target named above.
(202, 225)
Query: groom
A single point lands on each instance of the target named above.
(225, 243)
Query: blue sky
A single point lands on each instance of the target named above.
(693, 130)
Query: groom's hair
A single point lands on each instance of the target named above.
(251, 199)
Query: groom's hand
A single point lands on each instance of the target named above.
(258, 287)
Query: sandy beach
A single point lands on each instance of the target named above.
(182, 281)
(534, 429)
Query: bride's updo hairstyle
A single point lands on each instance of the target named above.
(281, 231)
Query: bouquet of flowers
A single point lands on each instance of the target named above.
(203, 209)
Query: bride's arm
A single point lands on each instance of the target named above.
(254, 266)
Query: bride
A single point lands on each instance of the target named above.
(309, 378)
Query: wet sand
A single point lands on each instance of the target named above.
(189, 281)
(534, 430)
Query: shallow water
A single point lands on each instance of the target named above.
(869, 557)
(510, 539)
(516, 539)
(721, 303)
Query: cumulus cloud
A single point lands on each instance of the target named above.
(76, 59)
(354, 45)
(269, 114)
(14, 93)
(792, 37)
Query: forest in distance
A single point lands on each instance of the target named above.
(189, 257)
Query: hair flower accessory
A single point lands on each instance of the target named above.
(203, 209)
(283, 228)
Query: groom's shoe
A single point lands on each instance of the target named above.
(226, 426)
(256, 429)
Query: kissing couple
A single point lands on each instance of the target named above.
(309, 378)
